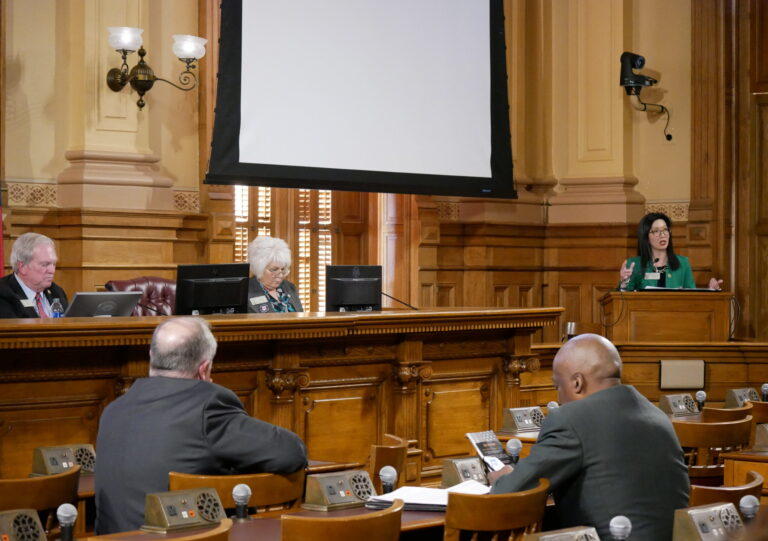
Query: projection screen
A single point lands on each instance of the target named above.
(405, 96)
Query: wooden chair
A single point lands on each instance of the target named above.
(703, 443)
(44, 494)
(381, 525)
(271, 493)
(722, 415)
(217, 533)
(498, 516)
(759, 412)
(703, 495)
(393, 453)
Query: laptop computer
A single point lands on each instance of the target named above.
(103, 304)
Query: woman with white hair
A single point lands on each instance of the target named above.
(268, 290)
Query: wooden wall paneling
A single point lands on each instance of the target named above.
(570, 298)
(455, 404)
(342, 418)
(216, 201)
(62, 410)
(759, 37)
(396, 250)
(712, 162)
(352, 228)
(424, 240)
(759, 151)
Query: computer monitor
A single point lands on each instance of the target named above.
(212, 289)
(352, 288)
(103, 303)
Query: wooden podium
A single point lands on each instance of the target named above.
(666, 316)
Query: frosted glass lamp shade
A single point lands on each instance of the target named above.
(125, 38)
(185, 46)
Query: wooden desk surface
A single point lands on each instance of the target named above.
(757, 454)
(266, 529)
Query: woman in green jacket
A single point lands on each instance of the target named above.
(657, 264)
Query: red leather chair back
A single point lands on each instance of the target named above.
(158, 295)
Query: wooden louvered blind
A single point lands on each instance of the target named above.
(310, 235)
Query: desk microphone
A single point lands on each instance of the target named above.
(748, 505)
(241, 494)
(701, 399)
(513, 449)
(388, 476)
(67, 515)
(764, 391)
(552, 405)
(620, 527)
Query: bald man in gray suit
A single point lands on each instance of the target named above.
(607, 450)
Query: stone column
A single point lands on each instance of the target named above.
(591, 123)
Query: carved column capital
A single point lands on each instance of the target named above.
(514, 365)
(285, 383)
(407, 376)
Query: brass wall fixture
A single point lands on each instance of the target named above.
(126, 40)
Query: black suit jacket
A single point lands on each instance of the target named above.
(255, 291)
(11, 296)
(185, 425)
(612, 453)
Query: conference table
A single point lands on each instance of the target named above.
(421, 525)
(86, 490)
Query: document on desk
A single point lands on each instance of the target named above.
(425, 499)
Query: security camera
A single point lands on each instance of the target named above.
(631, 81)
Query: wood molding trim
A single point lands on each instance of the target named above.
(712, 124)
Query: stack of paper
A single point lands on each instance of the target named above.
(425, 499)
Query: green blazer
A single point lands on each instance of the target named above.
(680, 278)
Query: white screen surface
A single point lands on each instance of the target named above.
(378, 85)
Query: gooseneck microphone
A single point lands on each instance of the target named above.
(749, 505)
(67, 515)
(620, 527)
(764, 391)
(388, 476)
(701, 399)
(513, 449)
(241, 494)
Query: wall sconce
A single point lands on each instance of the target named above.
(126, 40)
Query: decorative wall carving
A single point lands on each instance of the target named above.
(286, 381)
(448, 211)
(677, 210)
(186, 201)
(31, 194)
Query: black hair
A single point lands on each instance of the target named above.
(644, 245)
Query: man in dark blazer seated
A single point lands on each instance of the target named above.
(607, 450)
(178, 420)
(30, 292)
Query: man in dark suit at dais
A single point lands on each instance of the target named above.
(29, 292)
(177, 419)
(607, 450)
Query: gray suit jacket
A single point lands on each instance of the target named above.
(185, 425)
(256, 292)
(612, 453)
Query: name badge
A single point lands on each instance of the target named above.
(652, 275)
(258, 300)
(27, 303)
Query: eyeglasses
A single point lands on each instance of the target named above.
(660, 232)
(278, 272)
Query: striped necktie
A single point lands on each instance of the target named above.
(40, 306)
